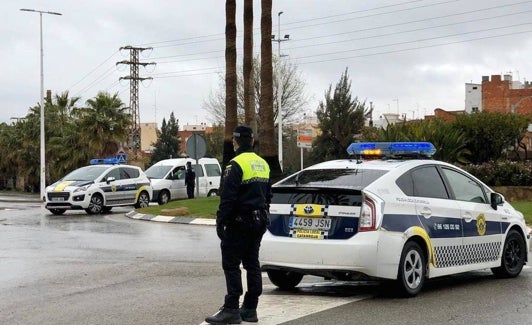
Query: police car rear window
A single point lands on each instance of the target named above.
(290, 195)
(336, 178)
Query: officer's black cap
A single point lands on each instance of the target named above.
(243, 131)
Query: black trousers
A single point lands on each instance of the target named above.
(190, 192)
(241, 245)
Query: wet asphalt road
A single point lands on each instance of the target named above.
(109, 269)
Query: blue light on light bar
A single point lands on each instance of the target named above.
(100, 161)
(425, 149)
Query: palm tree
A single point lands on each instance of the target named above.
(267, 133)
(104, 123)
(248, 82)
(230, 80)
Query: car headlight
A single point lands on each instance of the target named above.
(80, 189)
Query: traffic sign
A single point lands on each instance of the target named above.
(196, 146)
(305, 138)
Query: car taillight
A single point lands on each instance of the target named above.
(367, 216)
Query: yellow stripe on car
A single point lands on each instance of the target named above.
(62, 186)
(418, 231)
(142, 188)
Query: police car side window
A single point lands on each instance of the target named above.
(113, 173)
(463, 187)
(128, 172)
(406, 184)
(427, 182)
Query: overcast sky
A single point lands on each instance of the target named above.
(406, 56)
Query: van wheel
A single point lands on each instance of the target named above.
(213, 193)
(164, 197)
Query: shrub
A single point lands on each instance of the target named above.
(503, 173)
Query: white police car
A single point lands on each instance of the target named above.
(396, 219)
(99, 187)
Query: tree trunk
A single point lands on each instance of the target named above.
(230, 80)
(249, 95)
(268, 147)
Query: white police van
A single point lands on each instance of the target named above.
(99, 187)
(399, 219)
(168, 178)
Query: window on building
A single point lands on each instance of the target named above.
(474, 109)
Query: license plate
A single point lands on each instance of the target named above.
(308, 234)
(58, 199)
(309, 223)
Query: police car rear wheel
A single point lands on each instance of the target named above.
(164, 197)
(412, 268)
(513, 256)
(143, 201)
(95, 205)
(57, 212)
(212, 193)
(285, 280)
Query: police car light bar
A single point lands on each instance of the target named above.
(100, 161)
(425, 149)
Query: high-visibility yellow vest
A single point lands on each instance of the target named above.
(254, 168)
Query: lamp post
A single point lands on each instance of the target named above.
(43, 164)
(279, 88)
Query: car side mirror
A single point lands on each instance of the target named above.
(496, 200)
(110, 179)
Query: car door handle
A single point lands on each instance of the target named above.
(467, 217)
(426, 212)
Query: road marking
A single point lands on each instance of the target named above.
(277, 307)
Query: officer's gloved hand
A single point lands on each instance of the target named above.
(220, 230)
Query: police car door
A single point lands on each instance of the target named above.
(483, 236)
(110, 185)
(439, 216)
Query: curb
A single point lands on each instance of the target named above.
(183, 220)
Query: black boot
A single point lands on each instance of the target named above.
(225, 316)
(248, 315)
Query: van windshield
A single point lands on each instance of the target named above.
(157, 172)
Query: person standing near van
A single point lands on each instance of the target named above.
(241, 220)
(190, 180)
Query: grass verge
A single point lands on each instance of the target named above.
(204, 207)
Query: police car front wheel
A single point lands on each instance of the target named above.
(513, 256)
(95, 205)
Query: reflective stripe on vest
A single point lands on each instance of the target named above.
(254, 168)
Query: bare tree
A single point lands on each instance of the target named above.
(230, 80)
(294, 99)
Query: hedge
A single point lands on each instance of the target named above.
(503, 173)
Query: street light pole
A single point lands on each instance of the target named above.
(43, 164)
(279, 88)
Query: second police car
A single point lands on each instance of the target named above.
(404, 220)
(99, 187)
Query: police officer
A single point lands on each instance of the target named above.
(190, 180)
(241, 220)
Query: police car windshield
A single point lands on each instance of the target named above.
(88, 173)
(335, 178)
(157, 172)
